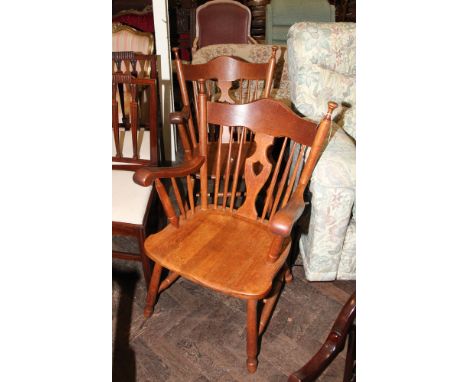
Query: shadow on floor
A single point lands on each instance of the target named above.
(123, 358)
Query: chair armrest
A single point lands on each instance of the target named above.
(284, 220)
(252, 40)
(194, 45)
(178, 117)
(145, 176)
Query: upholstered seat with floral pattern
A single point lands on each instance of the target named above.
(322, 68)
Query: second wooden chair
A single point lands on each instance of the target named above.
(227, 79)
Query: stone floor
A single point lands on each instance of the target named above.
(199, 335)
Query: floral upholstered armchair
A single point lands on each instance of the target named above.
(322, 67)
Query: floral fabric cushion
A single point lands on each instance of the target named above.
(314, 87)
(331, 45)
(250, 52)
(255, 53)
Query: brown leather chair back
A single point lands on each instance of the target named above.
(222, 22)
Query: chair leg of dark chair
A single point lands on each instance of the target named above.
(350, 356)
(152, 293)
(288, 276)
(252, 336)
(145, 260)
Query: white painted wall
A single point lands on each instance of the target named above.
(163, 53)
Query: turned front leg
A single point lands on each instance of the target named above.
(252, 336)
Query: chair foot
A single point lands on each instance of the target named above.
(148, 312)
(252, 365)
(288, 276)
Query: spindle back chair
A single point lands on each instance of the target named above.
(227, 79)
(234, 243)
(133, 146)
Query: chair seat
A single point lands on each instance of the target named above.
(129, 200)
(219, 250)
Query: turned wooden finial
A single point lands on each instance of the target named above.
(274, 48)
(176, 53)
(331, 106)
(202, 86)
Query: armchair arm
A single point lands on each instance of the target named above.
(145, 176)
(284, 219)
(252, 40)
(178, 117)
(195, 45)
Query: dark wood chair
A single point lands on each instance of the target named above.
(138, 65)
(238, 247)
(343, 328)
(228, 79)
(222, 22)
(132, 147)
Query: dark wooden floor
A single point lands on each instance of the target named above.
(199, 335)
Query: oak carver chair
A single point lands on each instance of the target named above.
(132, 148)
(343, 328)
(228, 79)
(222, 22)
(239, 251)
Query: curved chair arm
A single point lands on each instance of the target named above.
(283, 221)
(178, 117)
(334, 344)
(145, 176)
(194, 45)
(252, 40)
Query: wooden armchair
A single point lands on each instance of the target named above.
(230, 80)
(222, 22)
(239, 246)
(343, 328)
(132, 148)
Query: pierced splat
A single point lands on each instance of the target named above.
(224, 87)
(257, 171)
(257, 168)
(136, 64)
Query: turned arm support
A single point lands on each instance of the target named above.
(282, 223)
(145, 176)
